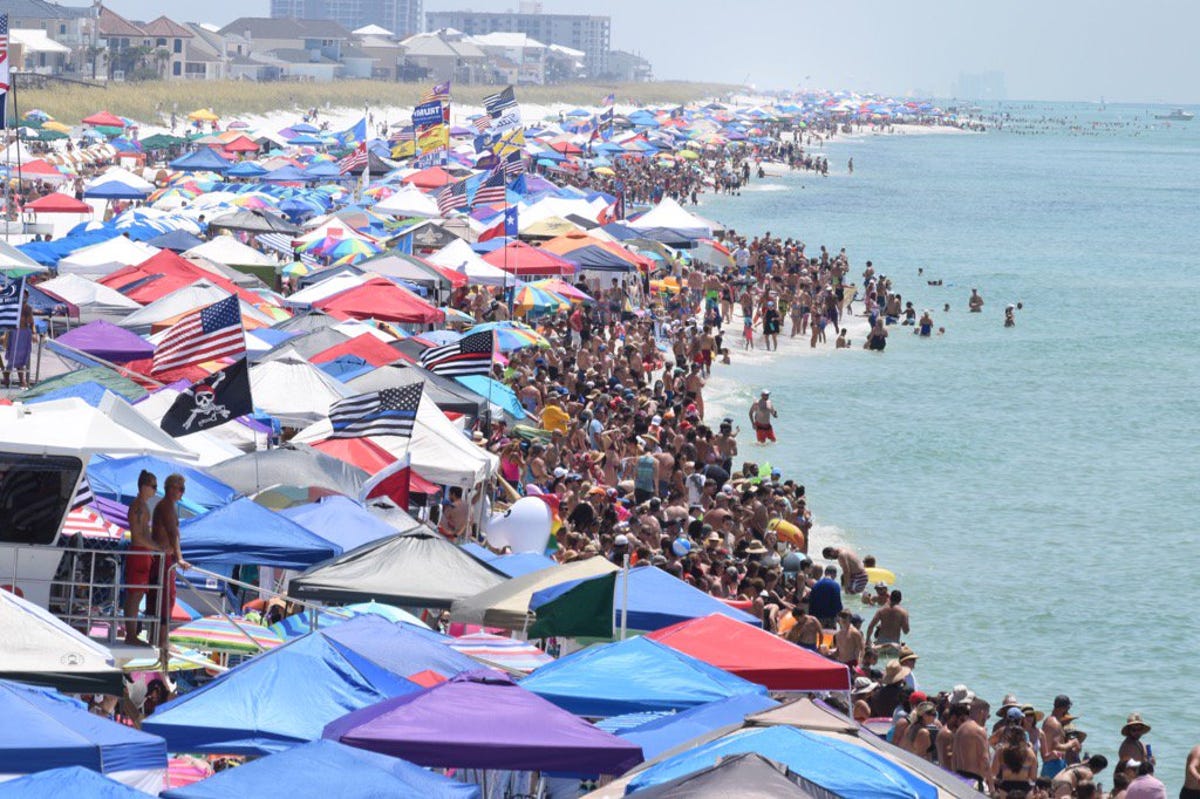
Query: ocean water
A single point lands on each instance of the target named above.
(1033, 488)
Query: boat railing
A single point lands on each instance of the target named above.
(88, 589)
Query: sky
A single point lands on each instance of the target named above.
(1046, 49)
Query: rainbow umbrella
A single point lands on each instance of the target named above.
(530, 299)
(507, 653)
(513, 335)
(563, 289)
(297, 269)
(180, 660)
(218, 634)
(455, 315)
(353, 246)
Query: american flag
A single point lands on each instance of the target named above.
(212, 332)
(482, 123)
(513, 165)
(356, 159)
(609, 100)
(470, 355)
(491, 190)
(390, 412)
(452, 197)
(496, 104)
(12, 295)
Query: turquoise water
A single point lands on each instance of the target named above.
(1033, 488)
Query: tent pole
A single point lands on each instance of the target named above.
(625, 597)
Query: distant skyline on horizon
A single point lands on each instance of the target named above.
(1071, 50)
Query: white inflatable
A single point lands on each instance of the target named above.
(524, 527)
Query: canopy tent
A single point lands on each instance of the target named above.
(655, 600)
(380, 298)
(107, 341)
(483, 720)
(106, 257)
(307, 621)
(313, 680)
(91, 298)
(664, 733)
(842, 768)
(497, 651)
(518, 258)
(372, 459)
(409, 201)
(70, 781)
(42, 650)
(507, 604)
(669, 214)
(291, 465)
(58, 203)
(420, 569)
(293, 390)
(228, 250)
(326, 768)
(341, 521)
(459, 256)
(43, 730)
(631, 676)
(206, 159)
(754, 654)
(112, 427)
(254, 221)
(516, 564)
(244, 533)
(746, 776)
(117, 479)
(176, 241)
(365, 346)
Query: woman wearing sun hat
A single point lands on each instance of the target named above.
(1133, 748)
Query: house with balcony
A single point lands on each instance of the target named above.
(69, 26)
(514, 57)
(443, 55)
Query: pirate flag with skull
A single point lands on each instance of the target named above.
(215, 400)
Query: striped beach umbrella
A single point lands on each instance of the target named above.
(217, 634)
(507, 653)
(89, 524)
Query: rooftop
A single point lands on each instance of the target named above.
(167, 28)
(113, 24)
(286, 28)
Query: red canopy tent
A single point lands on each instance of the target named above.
(58, 203)
(371, 458)
(104, 119)
(365, 346)
(519, 258)
(433, 177)
(380, 298)
(41, 169)
(566, 148)
(754, 655)
(242, 144)
(169, 272)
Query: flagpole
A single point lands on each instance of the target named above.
(625, 597)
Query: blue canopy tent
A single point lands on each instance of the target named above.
(345, 368)
(513, 565)
(244, 532)
(307, 621)
(496, 393)
(206, 159)
(341, 521)
(285, 174)
(632, 676)
(42, 731)
(322, 170)
(74, 781)
(177, 240)
(245, 169)
(664, 733)
(656, 600)
(116, 478)
(326, 768)
(114, 190)
(843, 768)
(285, 697)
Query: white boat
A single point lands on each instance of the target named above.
(1176, 115)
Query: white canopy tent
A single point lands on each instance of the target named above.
(180, 301)
(231, 252)
(112, 428)
(94, 300)
(336, 284)
(409, 201)
(294, 391)
(107, 257)
(40, 649)
(671, 215)
(459, 256)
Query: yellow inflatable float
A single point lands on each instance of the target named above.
(788, 532)
(878, 575)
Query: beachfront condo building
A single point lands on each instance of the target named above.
(589, 34)
(401, 18)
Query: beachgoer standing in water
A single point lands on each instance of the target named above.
(976, 302)
(850, 166)
(761, 413)
(1009, 319)
(1191, 776)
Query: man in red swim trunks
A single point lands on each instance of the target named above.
(165, 530)
(141, 573)
(761, 413)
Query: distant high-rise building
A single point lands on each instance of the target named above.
(578, 31)
(980, 86)
(401, 17)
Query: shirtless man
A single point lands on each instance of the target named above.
(976, 302)
(970, 750)
(806, 632)
(761, 413)
(945, 737)
(1191, 776)
(165, 532)
(140, 569)
(889, 622)
(1055, 745)
(1070, 778)
(454, 516)
(848, 641)
(854, 574)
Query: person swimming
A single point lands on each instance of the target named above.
(925, 326)
(1009, 316)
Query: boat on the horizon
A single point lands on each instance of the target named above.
(1177, 115)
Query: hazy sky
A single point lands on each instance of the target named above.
(1047, 49)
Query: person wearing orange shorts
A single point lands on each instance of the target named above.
(141, 572)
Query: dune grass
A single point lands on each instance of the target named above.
(153, 101)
